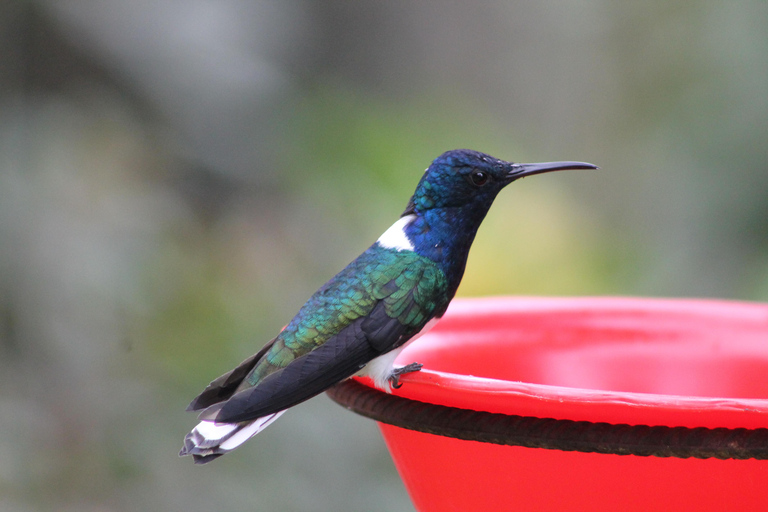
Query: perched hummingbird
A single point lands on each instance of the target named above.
(359, 321)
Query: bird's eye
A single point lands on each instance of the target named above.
(478, 178)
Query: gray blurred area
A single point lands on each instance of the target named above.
(177, 177)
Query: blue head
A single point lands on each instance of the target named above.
(453, 197)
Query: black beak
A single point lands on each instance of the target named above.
(523, 170)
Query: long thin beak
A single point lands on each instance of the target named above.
(522, 170)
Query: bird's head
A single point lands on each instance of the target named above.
(451, 201)
(470, 180)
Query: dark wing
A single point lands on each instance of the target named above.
(225, 386)
(340, 357)
(371, 307)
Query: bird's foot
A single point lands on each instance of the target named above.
(394, 377)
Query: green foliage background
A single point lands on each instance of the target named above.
(177, 178)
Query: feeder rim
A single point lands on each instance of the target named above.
(550, 433)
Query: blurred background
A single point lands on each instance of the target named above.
(177, 177)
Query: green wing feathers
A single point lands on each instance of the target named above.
(410, 286)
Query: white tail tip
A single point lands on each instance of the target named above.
(209, 440)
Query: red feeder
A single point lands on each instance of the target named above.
(581, 404)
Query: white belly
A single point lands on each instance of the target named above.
(380, 368)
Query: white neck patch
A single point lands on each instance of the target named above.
(395, 237)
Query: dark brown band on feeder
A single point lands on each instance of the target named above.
(552, 434)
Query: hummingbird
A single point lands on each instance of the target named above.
(359, 321)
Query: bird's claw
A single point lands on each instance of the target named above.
(394, 377)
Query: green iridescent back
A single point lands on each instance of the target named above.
(411, 286)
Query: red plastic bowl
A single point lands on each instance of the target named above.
(667, 373)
